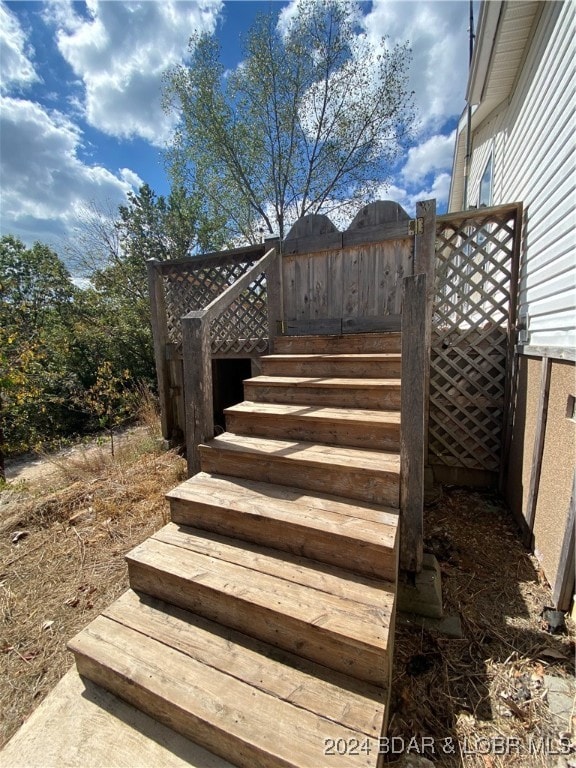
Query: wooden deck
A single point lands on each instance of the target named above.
(270, 597)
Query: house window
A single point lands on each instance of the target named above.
(485, 196)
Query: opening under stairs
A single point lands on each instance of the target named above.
(260, 620)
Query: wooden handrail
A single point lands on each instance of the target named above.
(197, 353)
(242, 254)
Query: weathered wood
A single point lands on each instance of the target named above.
(378, 365)
(274, 294)
(343, 634)
(511, 338)
(471, 367)
(78, 721)
(352, 473)
(412, 439)
(563, 590)
(378, 214)
(160, 339)
(310, 225)
(327, 529)
(424, 262)
(244, 253)
(198, 396)
(284, 676)
(337, 345)
(313, 327)
(377, 394)
(332, 426)
(292, 568)
(538, 450)
(371, 324)
(185, 694)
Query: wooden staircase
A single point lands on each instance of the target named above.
(260, 621)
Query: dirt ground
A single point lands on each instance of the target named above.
(481, 700)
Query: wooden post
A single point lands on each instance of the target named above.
(563, 588)
(198, 400)
(425, 262)
(274, 293)
(412, 420)
(160, 338)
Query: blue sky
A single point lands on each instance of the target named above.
(80, 88)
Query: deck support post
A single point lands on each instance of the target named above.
(425, 262)
(198, 397)
(412, 420)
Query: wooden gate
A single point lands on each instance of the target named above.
(347, 282)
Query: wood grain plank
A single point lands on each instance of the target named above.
(351, 344)
(357, 538)
(215, 710)
(289, 567)
(341, 699)
(344, 635)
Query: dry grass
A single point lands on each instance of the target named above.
(62, 552)
(489, 684)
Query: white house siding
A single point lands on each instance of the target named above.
(534, 161)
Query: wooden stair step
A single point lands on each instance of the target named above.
(354, 473)
(226, 691)
(324, 614)
(353, 535)
(377, 365)
(342, 392)
(337, 426)
(350, 343)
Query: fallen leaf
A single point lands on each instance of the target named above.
(552, 653)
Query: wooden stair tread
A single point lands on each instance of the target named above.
(225, 691)
(350, 342)
(350, 472)
(292, 590)
(336, 357)
(361, 459)
(343, 634)
(318, 413)
(360, 537)
(351, 518)
(292, 568)
(324, 382)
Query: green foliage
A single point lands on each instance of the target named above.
(36, 307)
(310, 122)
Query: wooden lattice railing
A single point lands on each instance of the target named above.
(242, 329)
(474, 315)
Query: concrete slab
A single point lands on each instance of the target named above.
(424, 597)
(79, 725)
(560, 694)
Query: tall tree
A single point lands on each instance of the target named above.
(36, 304)
(309, 122)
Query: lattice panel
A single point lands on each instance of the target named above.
(243, 328)
(470, 340)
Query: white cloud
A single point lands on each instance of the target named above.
(120, 52)
(435, 154)
(16, 69)
(438, 190)
(437, 35)
(131, 178)
(44, 182)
